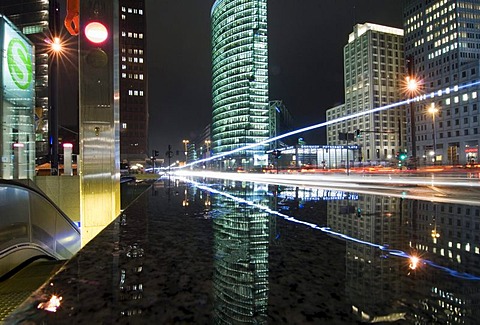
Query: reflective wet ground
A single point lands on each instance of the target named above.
(227, 252)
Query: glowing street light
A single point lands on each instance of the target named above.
(414, 262)
(413, 86)
(433, 110)
(56, 45)
(185, 143)
(55, 51)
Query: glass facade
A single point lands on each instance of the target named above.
(33, 18)
(241, 241)
(240, 78)
(443, 40)
(17, 136)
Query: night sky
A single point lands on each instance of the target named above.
(306, 40)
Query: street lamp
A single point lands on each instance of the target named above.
(412, 88)
(433, 110)
(56, 49)
(185, 144)
(207, 150)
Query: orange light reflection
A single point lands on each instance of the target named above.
(51, 305)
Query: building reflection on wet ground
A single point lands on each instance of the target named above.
(229, 252)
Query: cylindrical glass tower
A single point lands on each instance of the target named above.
(240, 80)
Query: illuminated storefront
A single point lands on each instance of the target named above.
(240, 78)
(17, 138)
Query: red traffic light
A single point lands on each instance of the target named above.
(96, 32)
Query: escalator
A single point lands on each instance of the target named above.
(36, 238)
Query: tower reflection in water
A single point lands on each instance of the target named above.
(444, 288)
(382, 234)
(241, 237)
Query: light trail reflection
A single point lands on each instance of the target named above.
(368, 185)
(412, 260)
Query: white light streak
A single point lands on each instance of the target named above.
(334, 121)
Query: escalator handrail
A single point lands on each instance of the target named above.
(9, 182)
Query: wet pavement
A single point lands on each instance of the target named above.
(226, 252)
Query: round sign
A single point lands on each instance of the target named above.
(96, 32)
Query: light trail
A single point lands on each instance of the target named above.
(328, 230)
(379, 185)
(419, 98)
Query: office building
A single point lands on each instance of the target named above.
(373, 71)
(36, 19)
(239, 79)
(133, 82)
(281, 122)
(442, 39)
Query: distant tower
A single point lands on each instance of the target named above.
(133, 81)
(240, 78)
(374, 69)
(443, 39)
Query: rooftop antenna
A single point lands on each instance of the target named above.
(354, 15)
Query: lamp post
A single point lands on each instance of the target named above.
(412, 88)
(433, 110)
(185, 144)
(56, 49)
(207, 150)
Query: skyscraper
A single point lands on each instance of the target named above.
(133, 81)
(442, 38)
(239, 78)
(373, 68)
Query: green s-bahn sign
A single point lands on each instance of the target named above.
(19, 63)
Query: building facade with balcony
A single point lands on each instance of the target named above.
(442, 39)
(240, 114)
(373, 70)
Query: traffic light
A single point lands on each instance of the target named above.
(277, 154)
(358, 133)
(155, 153)
(97, 68)
(402, 156)
(359, 212)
